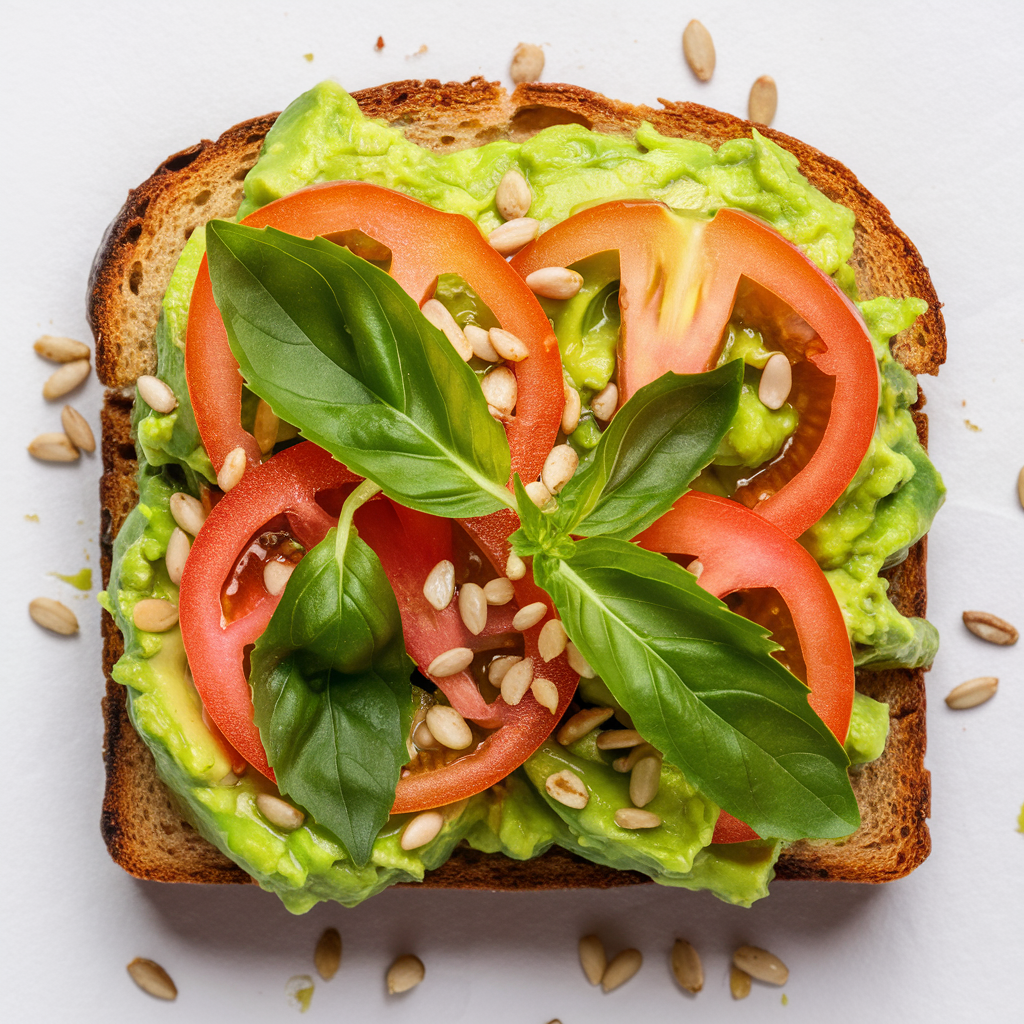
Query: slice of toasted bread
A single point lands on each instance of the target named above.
(144, 832)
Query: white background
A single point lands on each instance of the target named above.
(925, 104)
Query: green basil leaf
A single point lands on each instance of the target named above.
(331, 689)
(653, 447)
(701, 685)
(335, 346)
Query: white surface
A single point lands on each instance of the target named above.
(926, 107)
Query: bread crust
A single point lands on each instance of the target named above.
(141, 825)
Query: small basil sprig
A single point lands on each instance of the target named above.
(331, 687)
(701, 685)
(335, 346)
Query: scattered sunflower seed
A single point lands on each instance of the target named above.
(513, 197)
(972, 693)
(327, 955)
(451, 662)
(1020, 486)
(154, 615)
(581, 723)
(699, 50)
(593, 958)
(991, 628)
(61, 350)
(152, 978)
(761, 964)
(53, 446)
(405, 973)
(527, 63)
(66, 379)
(635, 818)
(686, 966)
(448, 727)
(279, 812)
(545, 693)
(53, 615)
(567, 788)
(621, 969)
(764, 99)
(739, 983)
(77, 429)
(156, 393)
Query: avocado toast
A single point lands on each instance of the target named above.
(143, 831)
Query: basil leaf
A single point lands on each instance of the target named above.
(701, 685)
(335, 346)
(654, 446)
(331, 691)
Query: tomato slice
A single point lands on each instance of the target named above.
(424, 244)
(680, 280)
(740, 551)
(295, 493)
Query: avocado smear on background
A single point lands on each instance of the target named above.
(888, 506)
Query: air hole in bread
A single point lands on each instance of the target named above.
(238, 193)
(447, 140)
(202, 198)
(530, 120)
(255, 139)
(400, 98)
(188, 231)
(133, 233)
(135, 277)
(182, 159)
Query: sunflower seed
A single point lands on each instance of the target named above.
(265, 426)
(178, 547)
(527, 63)
(499, 591)
(480, 342)
(571, 411)
(696, 567)
(739, 983)
(232, 470)
(473, 607)
(621, 969)
(990, 627)
(66, 379)
(327, 955)
(776, 381)
(605, 402)
(77, 429)
(554, 282)
(437, 313)
(279, 812)
(61, 350)
(52, 615)
(699, 50)
(764, 99)
(593, 958)
(516, 681)
(537, 493)
(187, 512)
(156, 394)
(448, 727)
(528, 617)
(423, 738)
(52, 446)
(510, 237)
(154, 615)
(507, 345)
(276, 576)
(644, 780)
(559, 467)
(422, 829)
(1020, 486)
(451, 662)
(634, 818)
(501, 389)
(618, 739)
(761, 964)
(577, 662)
(515, 567)
(513, 197)
(439, 586)
(552, 640)
(405, 973)
(545, 693)
(972, 693)
(567, 788)
(152, 979)
(626, 764)
(497, 668)
(686, 966)
(581, 723)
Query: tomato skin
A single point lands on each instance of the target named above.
(409, 544)
(424, 243)
(739, 550)
(674, 313)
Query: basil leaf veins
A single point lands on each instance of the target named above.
(335, 346)
(701, 685)
(331, 687)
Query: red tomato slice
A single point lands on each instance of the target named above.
(679, 282)
(295, 492)
(740, 551)
(424, 244)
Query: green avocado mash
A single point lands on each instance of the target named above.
(887, 507)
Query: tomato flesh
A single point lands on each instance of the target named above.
(681, 279)
(740, 551)
(424, 243)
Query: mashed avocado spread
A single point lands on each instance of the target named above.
(886, 508)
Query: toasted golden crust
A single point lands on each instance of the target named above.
(144, 832)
